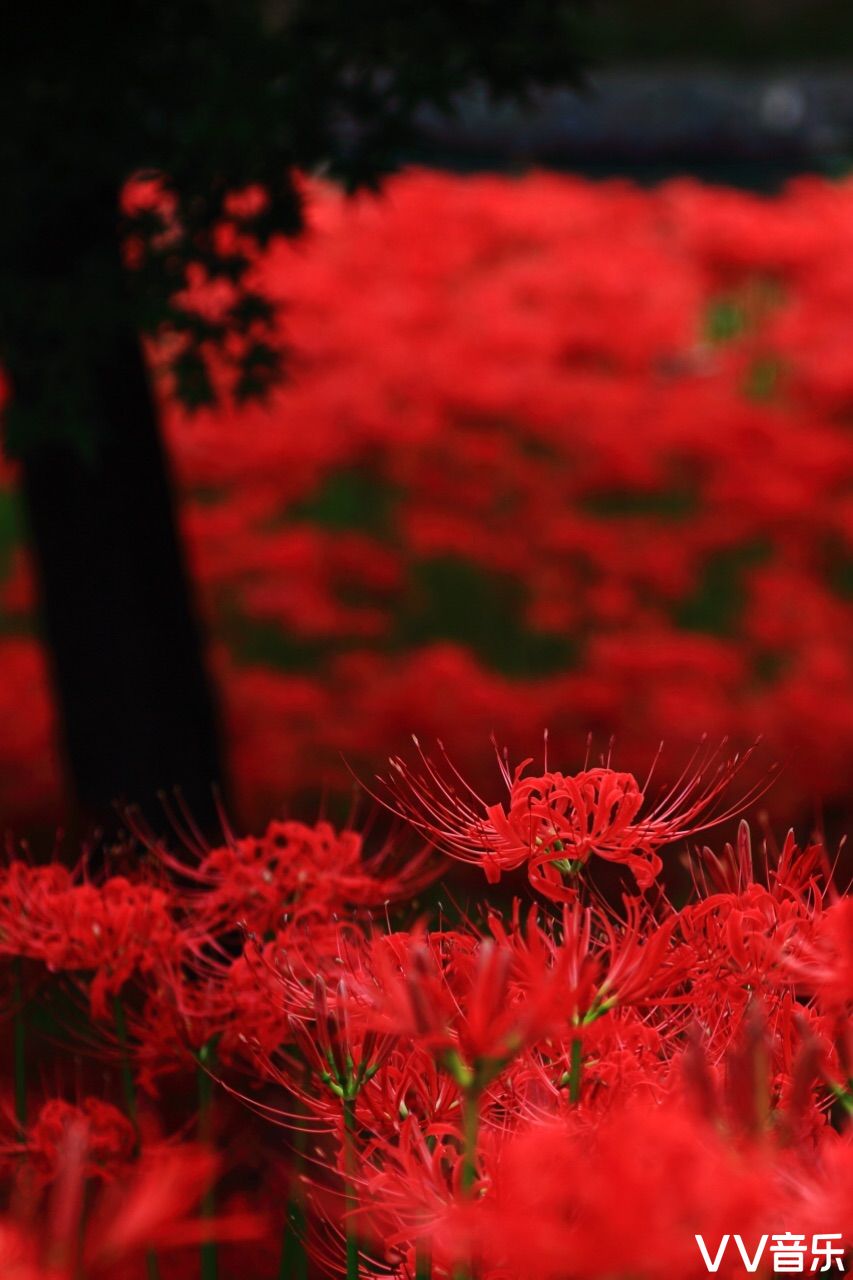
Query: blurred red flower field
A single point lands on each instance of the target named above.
(552, 454)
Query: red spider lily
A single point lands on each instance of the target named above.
(554, 823)
(411, 1085)
(277, 980)
(164, 1034)
(292, 871)
(411, 1200)
(605, 960)
(627, 1053)
(793, 873)
(650, 1052)
(742, 936)
(565, 946)
(609, 966)
(298, 1032)
(241, 998)
(342, 1056)
(463, 998)
(111, 1139)
(770, 1079)
(775, 1069)
(115, 929)
(821, 960)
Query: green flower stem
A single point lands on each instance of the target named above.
(129, 1089)
(470, 1129)
(844, 1095)
(350, 1196)
(127, 1082)
(294, 1261)
(576, 1068)
(209, 1258)
(423, 1262)
(20, 1047)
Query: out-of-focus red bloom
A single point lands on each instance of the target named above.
(587, 490)
(73, 1228)
(110, 1138)
(821, 961)
(630, 1197)
(604, 959)
(113, 930)
(19, 1255)
(30, 788)
(151, 211)
(554, 823)
(156, 1208)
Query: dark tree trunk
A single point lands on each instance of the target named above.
(135, 705)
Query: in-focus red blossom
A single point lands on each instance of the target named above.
(553, 823)
(748, 919)
(459, 997)
(628, 1074)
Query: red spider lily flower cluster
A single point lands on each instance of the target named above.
(632, 1071)
(553, 823)
(112, 929)
(292, 870)
(502, 506)
(110, 1138)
